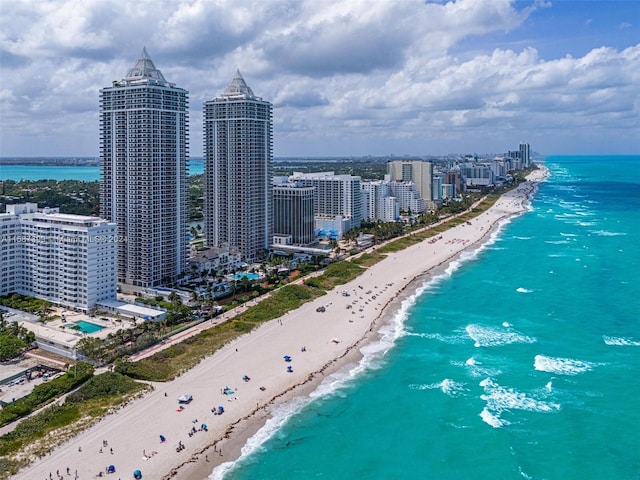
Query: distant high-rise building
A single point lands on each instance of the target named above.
(238, 152)
(143, 151)
(65, 259)
(335, 196)
(417, 171)
(525, 155)
(293, 213)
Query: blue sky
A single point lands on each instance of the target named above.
(568, 27)
(347, 78)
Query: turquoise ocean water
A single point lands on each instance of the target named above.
(65, 172)
(522, 361)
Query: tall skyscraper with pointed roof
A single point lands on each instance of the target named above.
(143, 152)
(238, 151)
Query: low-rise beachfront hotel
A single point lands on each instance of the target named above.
(65, 259)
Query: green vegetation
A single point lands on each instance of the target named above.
(13, 339)
(27, 304)
(335, 274)
(46, 392)
(36, 435)
(368, 259)
(167, 364)
(72, 196)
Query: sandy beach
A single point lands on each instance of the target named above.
(317, 342)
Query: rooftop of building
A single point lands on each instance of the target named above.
(143, 72)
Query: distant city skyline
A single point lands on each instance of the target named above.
(404, 77)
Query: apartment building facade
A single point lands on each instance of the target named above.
(238, 152)
(69, 260)
(143, 152)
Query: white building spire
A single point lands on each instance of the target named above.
(238, 88)
(144, 68)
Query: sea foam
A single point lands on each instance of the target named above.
(523, 290)
(476, 369)
(562, 366)
(605, 233)
(620, 341)
(447, 386)
(373, 355)
(493, 337)
(500, 399)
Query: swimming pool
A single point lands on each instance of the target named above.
(85, 327)
(241, 275)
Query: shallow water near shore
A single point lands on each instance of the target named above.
(520, 362)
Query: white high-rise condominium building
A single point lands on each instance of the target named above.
(409, 199)
(69, 260)
(335, 195)
(238, 152)
(417, 171)
(143, 151)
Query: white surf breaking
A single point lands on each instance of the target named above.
(493, 337)
(562, 366)
(621, 341)
(501, 399)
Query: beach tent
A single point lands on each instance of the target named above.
(185, 398)
(137, 474)
(287, 358)
(111, 468)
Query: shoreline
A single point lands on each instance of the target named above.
(320, 344)
(199, 469)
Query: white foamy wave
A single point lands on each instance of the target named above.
(475, 369)
(521, 238)
(605, 233)
(468, 255)
(372, 356)
(280, 415)
(506, 324)
(567, 234)
(557, 242)
(500, 399)
(491, 419)
(621, 341)
(447, 386)
(562, 366)
(523, 290)
(450, 339)
(491, 337)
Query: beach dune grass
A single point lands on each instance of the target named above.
(368, 259)
(35, 436)
(170, 362)
(335, 274)
(45, 393)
